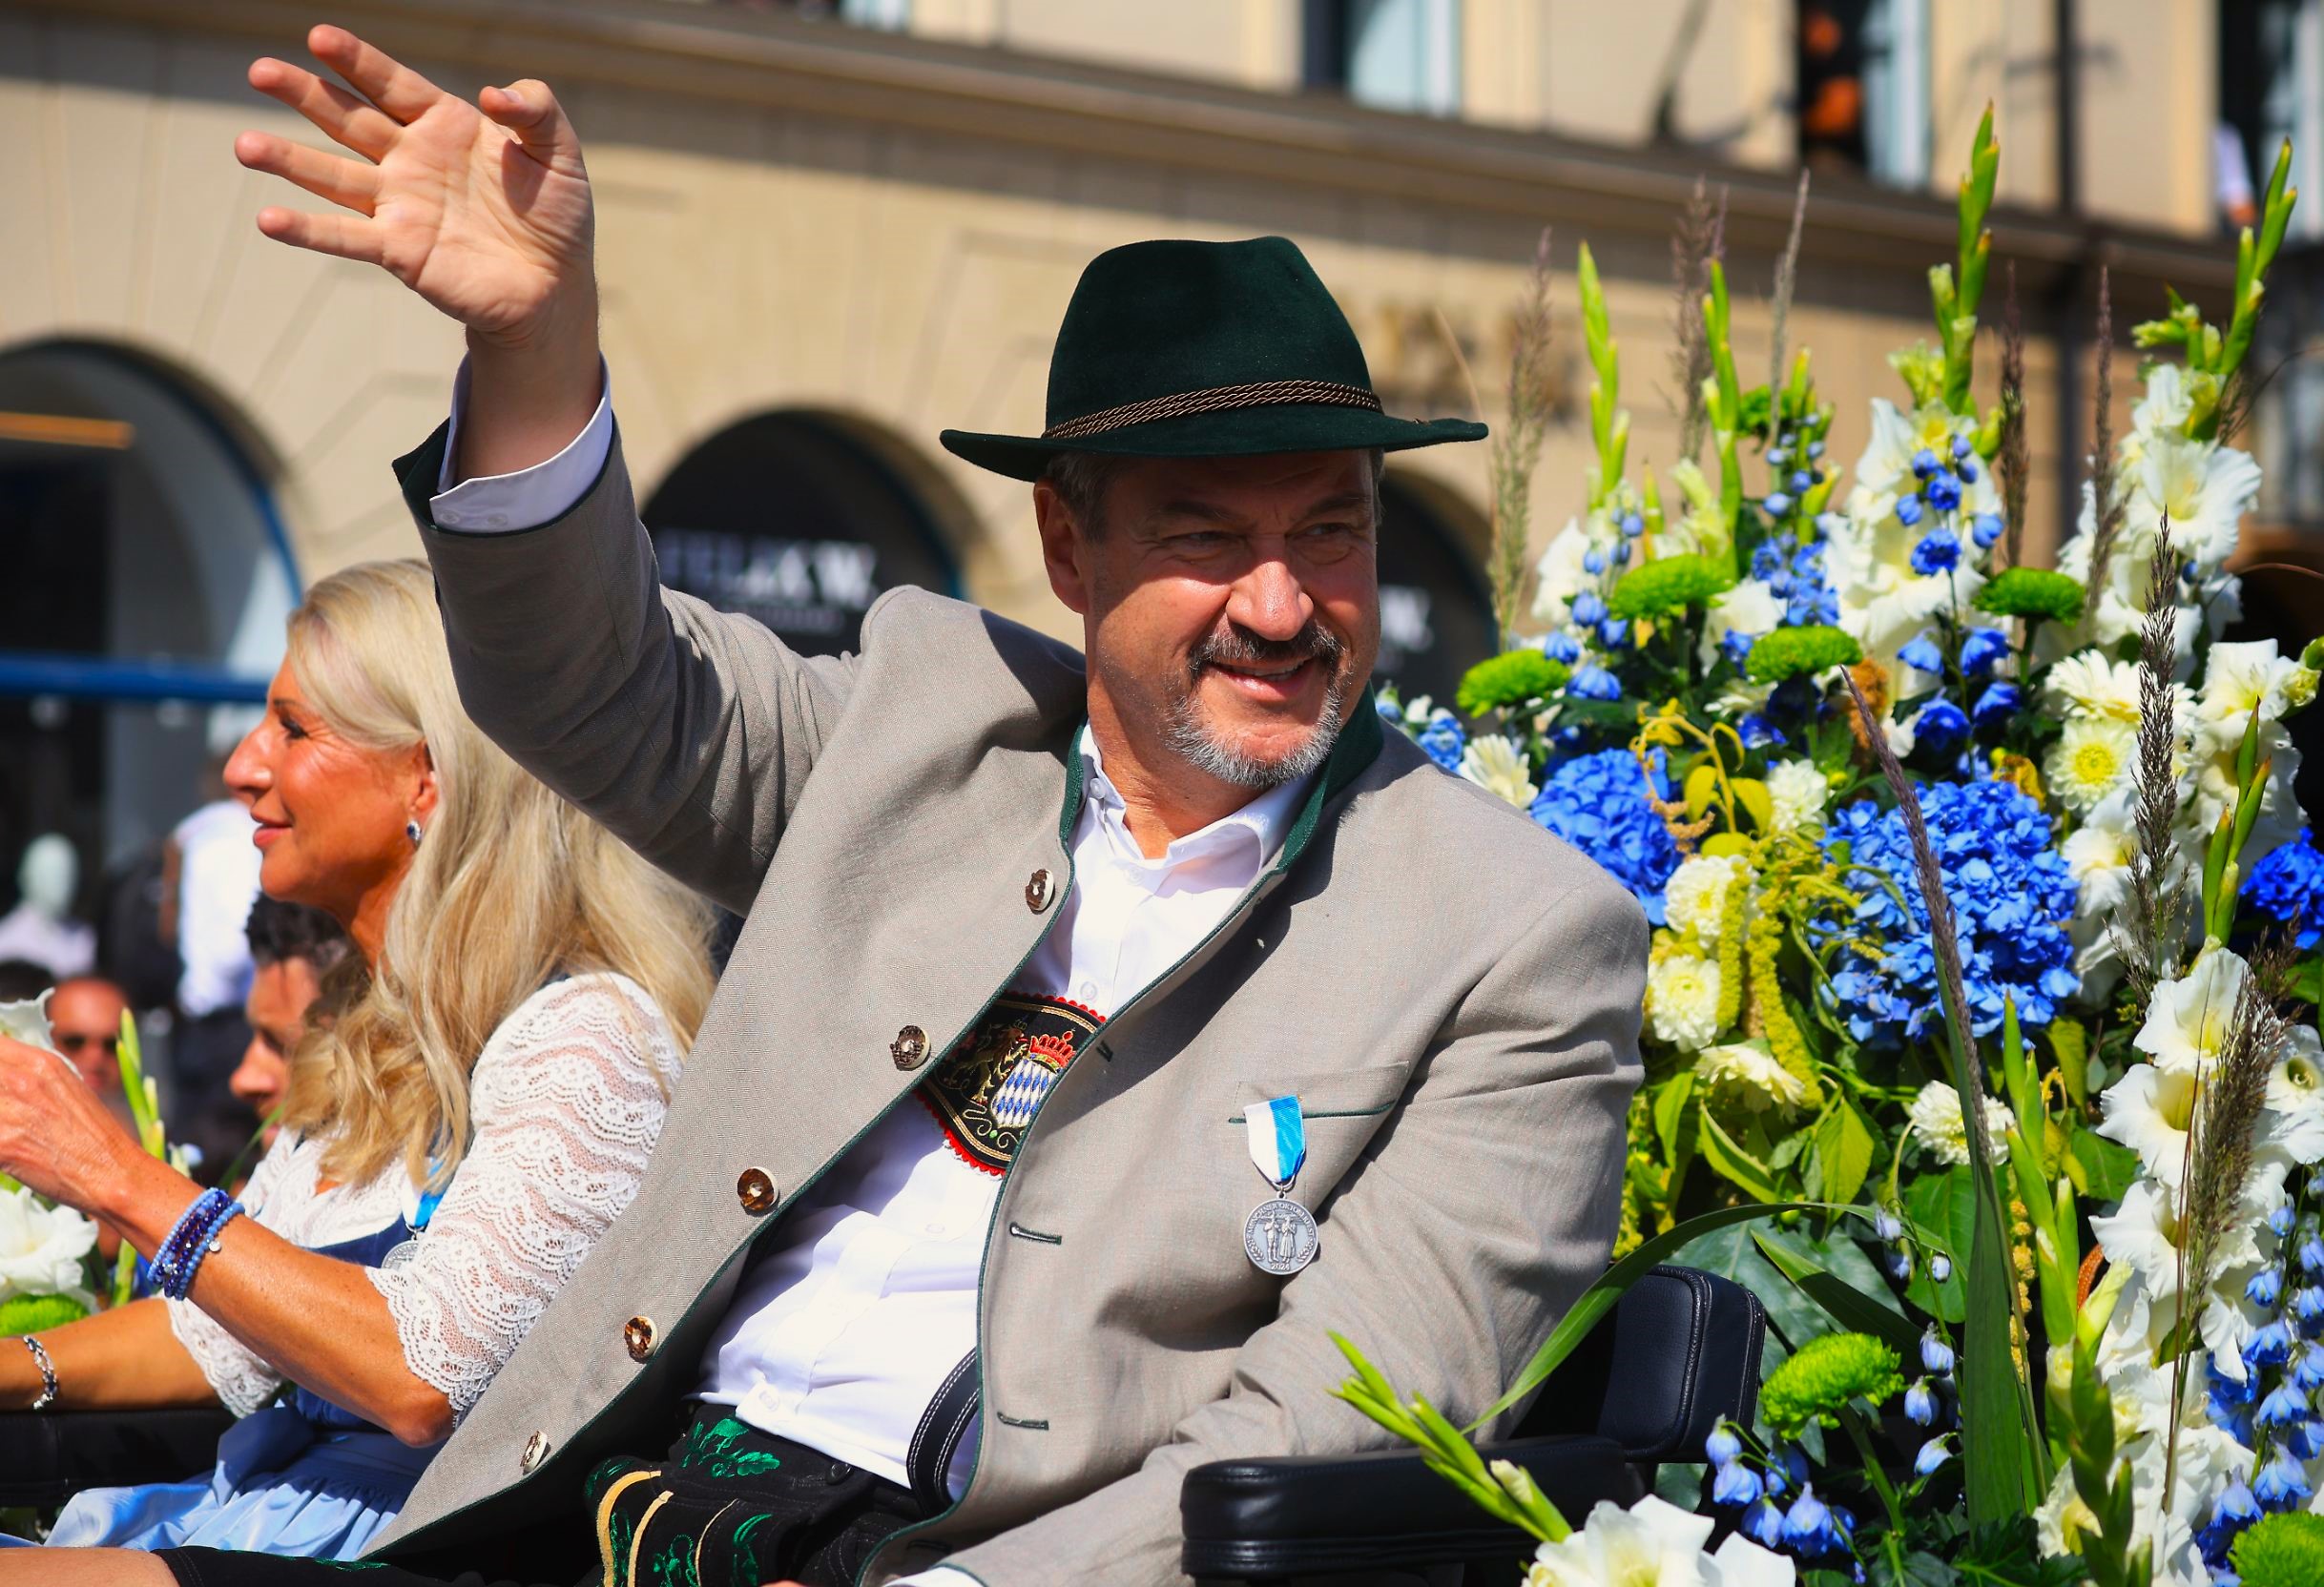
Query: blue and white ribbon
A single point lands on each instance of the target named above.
(1278, 1139)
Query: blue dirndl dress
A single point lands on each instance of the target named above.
(302, 1477)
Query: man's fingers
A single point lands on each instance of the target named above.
(351, 122)
(353, 184)
(342, 235)
(379, 78)
(529, 111)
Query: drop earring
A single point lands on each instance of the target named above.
(411, 829)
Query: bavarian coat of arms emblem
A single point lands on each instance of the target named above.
(987, 1089)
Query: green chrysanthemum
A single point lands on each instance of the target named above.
(2281, 1551)
(2031, 592)
(1824, 1375)
(1668, 587)
(35, 1314)
(1510, 680)
(1798, 652)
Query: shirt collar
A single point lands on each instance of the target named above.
(1257, 829)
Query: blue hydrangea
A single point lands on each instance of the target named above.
(2287, 885)
(1598, 803)
(2012, 899)
(1443, 740)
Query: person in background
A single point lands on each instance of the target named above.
(458, 1133)
(41, 927)
(85, 1023)
(292, 948)
(210, 879)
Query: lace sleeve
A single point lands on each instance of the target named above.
(567, 1098)
(242, 1377)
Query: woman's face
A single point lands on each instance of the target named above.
(331, 814)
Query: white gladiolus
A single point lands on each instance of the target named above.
(1750, 608)
(1653, 1543)
(2238, 680)
(2150, 1110)
(1748, 1073)
(42, 1249)
(2294, 1120)
(2098, 854)
(2187, 1019)
(27, 1022)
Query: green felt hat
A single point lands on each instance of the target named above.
(1205, 349)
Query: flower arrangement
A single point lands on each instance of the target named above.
(1979, 896)
(45, 1249)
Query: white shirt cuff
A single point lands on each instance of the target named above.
(531, 497)
(942, 1576)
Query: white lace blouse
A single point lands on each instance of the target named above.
(567, 1099)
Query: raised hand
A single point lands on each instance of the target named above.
(482, 210)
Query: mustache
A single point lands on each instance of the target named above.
(1238, 647)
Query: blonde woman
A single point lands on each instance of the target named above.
(472, 1106)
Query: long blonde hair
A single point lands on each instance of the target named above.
(510, 887)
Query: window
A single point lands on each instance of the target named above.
(1863, 81)
(1393, 54)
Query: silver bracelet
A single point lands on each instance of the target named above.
(48, 1373)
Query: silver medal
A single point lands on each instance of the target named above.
(1279, 1237)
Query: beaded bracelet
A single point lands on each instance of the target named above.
(192, 1238)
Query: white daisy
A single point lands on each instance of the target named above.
(1936, 1123)
(2088, 684)
(1496, 763)
(1747, 1073)
(1682, 1001)
(1694, 901)
(1799, 793)
(2093, 756)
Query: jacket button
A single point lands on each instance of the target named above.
(1040, 891)
(910, 1048)
(638, 1334)
(536, 1450)
(756, 1191)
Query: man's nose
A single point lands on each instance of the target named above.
(1269, 601)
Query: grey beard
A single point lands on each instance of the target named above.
(1188, 739)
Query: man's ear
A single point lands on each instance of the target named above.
(1064, 548)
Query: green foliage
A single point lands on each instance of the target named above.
(2032, 592)
(2103, 1483)
(1513, 678)
(1796, 652)
(1823, 1377)
(1956, 290)
(36, 1313)
(1610, 424)
(1669, 586)
(1502, 1490)
(2281, 1551)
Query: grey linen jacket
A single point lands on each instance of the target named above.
(1452, 993)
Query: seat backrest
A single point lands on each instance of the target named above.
(1678, 1352)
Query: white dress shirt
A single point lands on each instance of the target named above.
(842, 1332)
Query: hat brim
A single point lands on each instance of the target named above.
(1237, 432)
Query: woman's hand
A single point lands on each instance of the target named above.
(57, 1134)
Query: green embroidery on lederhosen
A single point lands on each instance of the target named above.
(672, 1564)
(722, 1449)
(987, 1088)
(742, 1554)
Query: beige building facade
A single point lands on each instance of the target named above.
(824, 238)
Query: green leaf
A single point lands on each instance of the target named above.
(1844, 1148)
(1793, 1319)
(2101, 1169)
(1670, 1100)
(1596, 1301)
(1919, 1569)
(1849, 1308)
(1944, 1209)
(1754, 1178)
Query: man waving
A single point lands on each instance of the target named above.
(1109, 1026)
